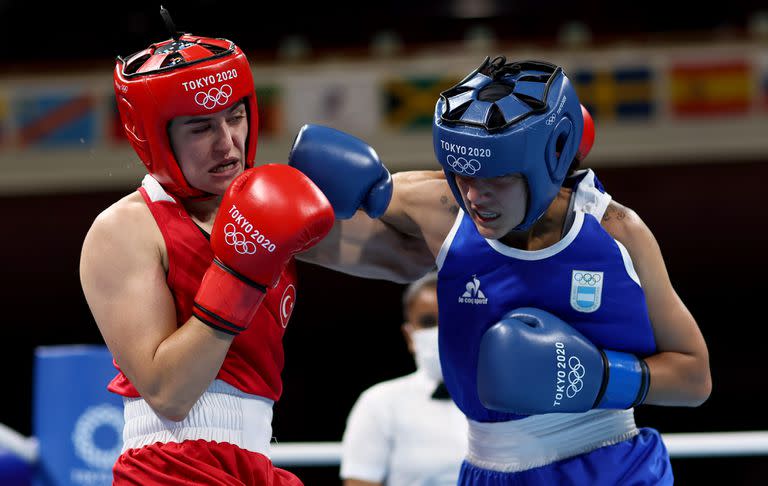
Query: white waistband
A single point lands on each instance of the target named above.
(539, 440)
(222, 414)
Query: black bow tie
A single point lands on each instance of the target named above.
(441, 392)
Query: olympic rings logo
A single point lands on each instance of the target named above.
(587, 278)
(213, 97)
(551, 119)
(94, 454)
(575, 377)
(237, 239)
(462, 165)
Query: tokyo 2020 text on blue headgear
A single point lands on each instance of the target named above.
(520, 117)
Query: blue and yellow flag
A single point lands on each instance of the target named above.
(621, 93)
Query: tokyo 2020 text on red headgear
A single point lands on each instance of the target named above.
(186, 75)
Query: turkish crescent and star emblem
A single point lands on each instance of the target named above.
(287, 302)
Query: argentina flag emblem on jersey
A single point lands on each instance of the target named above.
(586, 290)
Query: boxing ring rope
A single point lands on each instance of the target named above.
(24, 447)
(680, 445)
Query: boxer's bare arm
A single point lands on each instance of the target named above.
(422, 206)
(123, 276)
(680, 373)
(402, 245)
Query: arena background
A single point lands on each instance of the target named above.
(680, 99)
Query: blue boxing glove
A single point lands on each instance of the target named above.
(531, 362)
(345, 168)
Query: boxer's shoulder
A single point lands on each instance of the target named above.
(626, 226)
(126, 227)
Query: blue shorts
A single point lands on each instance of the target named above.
(638, 461)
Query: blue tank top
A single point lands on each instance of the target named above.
(587, 279)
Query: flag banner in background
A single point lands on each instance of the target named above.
(710, 88)
(409, 103)
(621, 93)
(55, 118)
(5, 120)
(764, 84)
(344, 102)
(269, 101)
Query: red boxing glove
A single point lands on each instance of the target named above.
(267, 215)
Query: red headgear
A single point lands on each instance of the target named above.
(186, 76)
(587, 135)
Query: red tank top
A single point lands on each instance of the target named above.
(255, 359)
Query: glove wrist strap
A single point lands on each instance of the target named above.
(226, 300)
(626, 381)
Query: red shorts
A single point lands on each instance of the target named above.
(198, 462)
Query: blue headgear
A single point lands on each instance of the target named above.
(504, 118)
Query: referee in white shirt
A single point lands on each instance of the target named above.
(407, 431)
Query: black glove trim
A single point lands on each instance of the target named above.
(218, 323)
(645, 383)
(242, 278)
(606, 377)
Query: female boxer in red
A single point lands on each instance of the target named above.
(191, 278)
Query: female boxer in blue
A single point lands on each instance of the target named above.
(557, 313)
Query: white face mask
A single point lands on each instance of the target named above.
(427, 356)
